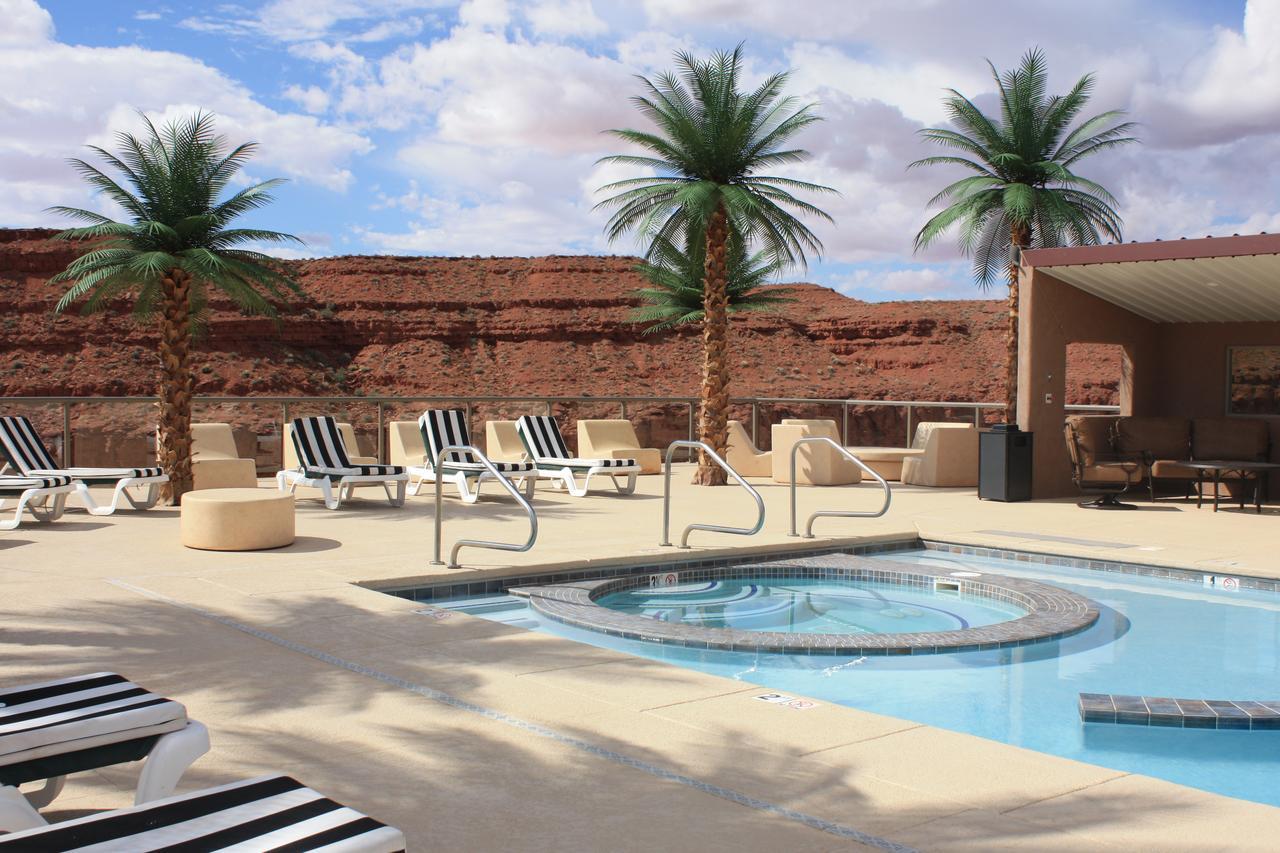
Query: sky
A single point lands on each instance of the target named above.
(474, 128)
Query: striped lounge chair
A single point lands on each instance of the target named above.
(443, 428)
(27, 453)
(547, 448)
(267, 813)
(324, 463)
(51, 729)
(34, 493)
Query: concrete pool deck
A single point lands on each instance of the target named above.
(472, 735)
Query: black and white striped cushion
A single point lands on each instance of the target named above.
(443, 428)
(574, 462)
(268, 813)
(10, 485)
(319, 444)
(355, 471)
(23, 447)
(478, 467)
(91, 475)
(70, 714)
(542, 438)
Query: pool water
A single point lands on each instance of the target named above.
(1154, 637)
(812, 606)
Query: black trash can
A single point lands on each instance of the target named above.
(1004, 464)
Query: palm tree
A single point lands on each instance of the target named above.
(1024, 193)
(674, 296)
(174, 246)
(712, 151)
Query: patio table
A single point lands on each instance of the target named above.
(1219, 467)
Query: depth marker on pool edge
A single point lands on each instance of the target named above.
(812, 821)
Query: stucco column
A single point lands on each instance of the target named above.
(1042, 383)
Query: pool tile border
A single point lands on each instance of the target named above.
(1222, 714)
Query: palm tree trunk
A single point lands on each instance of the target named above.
(713, 425)
(1019, 239)
(173, 442)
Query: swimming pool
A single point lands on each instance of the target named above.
(1153, 637)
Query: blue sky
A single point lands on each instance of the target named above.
(473, 128)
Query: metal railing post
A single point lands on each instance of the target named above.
(844, 423)
(66, 435)
(712, 528)
(479, 543)
(381, 441)
(623, 404)
(692, 456)
(284, 428)
(808, 527)
(755, 410)
(907, 443)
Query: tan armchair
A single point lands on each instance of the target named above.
(744, 457)
(348, 440)
(947, 456)
(502, 442)
(405, 445)
(1095, 468)
(616, 439)
(215, 461)
(816, 464)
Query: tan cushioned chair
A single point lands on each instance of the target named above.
(947, 456)
(616, 439)
(744, 457)
(1095, 466)
(215, 461)
(348, 440)
(502, 442)
(816, 464)
(405, 445)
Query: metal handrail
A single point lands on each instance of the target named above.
(480, 543)
(712, 528)
(832, 513)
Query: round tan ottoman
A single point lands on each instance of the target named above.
(237, 519)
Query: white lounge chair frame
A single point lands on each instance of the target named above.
(45, 497)
(26, 453)
(325, 463)
(166, 761)
(546, 446)
(442, 428)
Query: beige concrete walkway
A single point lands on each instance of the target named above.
(471, 735)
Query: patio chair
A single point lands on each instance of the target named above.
(324, 463)
(816, 464)
(615, 438)
(266, 813)
(502, 442)
(547, 448)
(947, 456)
(24, 450)
(441, 428)
(45, 497)
(215, 461)
(348, 433)
(744, 457)
(51, 729)
(1095, 469)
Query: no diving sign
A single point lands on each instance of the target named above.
(787, 701)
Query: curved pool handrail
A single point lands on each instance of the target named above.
(711, 528)
(480, 543)
(833, 513)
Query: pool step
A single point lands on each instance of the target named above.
(1180, 713)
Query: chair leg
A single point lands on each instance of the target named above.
(153, 495)
(52, 788)
(91, 506)
(398, 500)
(16, 812)
(331, 501)
(168, 760)
(464, 489)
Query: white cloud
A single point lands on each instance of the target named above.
(924, 283)
(306, 20)
(62, 97)
(564, 18)
(25, 23)
(313, 99)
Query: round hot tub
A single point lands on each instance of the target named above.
(837, 605)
